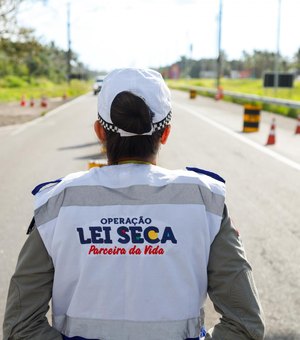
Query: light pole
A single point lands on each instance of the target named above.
(69, 52)
(276, 64)
(219, 60)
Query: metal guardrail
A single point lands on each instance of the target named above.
(267, 100)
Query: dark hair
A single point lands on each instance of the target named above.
(130, 113)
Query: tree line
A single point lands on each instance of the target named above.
(26, 57)
(250, 65)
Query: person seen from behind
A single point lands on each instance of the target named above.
(131, 250)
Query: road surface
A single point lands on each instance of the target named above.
(263, 185)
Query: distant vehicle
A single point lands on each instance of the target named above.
(98, 84)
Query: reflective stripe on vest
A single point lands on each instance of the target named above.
(123, 329)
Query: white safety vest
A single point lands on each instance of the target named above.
(130, 245)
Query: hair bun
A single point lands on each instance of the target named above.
(131, 113)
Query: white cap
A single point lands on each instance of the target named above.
(144, 83)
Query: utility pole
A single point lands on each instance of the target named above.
(276, 64)
(219, 60)
(69, 52)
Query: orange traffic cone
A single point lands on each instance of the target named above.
(298, 125)
(23, 101)
(271, 138)
(44, 102)
(219, 95)
(31, 103)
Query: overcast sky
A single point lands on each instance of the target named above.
(150, 33)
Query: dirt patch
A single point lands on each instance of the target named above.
(13, 113)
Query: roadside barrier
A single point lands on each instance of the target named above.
(272, 139)
(249, 97)
(251, 118)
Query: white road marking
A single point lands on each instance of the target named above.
(241, 138)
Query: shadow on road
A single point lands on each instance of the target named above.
(80, 146)
(94, 156)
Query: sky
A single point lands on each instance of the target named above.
(108, 34)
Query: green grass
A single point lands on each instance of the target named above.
(13, 88)
(248, 86)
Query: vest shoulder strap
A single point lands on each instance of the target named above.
(207, 173)
(41, 186)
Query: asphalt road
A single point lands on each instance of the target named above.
(263, 186)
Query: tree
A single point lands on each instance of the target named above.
(23, 55)
(8, 9)
(8, 15)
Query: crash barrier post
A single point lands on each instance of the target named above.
(251, 118)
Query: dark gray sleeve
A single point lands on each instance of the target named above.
(29, 294)
(231, 288)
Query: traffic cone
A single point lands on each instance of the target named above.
(219, 95)
(31, 103)
(44, 102)
(23, 101)
(271, 138)
(298, 126)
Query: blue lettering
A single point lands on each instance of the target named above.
(81, 236)
(168, 236)
(107, 234)
(96, 234)
(136, 234)
(122, 231)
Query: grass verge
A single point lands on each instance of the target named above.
(13, 91)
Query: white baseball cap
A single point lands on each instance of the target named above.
(144, 83)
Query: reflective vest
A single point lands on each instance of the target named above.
(130, 245)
